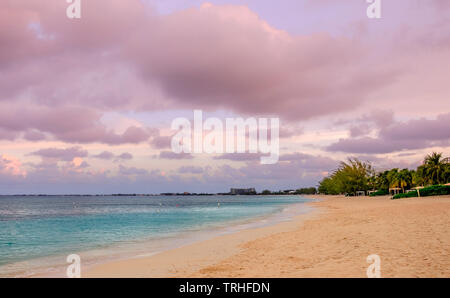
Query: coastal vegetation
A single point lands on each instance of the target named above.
(434, 190)
(356, 176)
(301, 191)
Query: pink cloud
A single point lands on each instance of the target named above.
(99, 134)
(226, 56)
(11, 166)
(59, 77)
(293, 170)
(69, 124)
(215, 56)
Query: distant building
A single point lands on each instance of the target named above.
(243, 191)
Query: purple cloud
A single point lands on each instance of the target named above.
(161, 142)
(125, 156)
(107, 155)
(61, 154)
(239, 156)
(34, 136)
(413, 134)
(72, 125)
(131, 171)
(104, 155)
(190, 170)
(175, 156)
(373, 145)
(420, 130)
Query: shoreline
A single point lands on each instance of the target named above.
(183, 260)
(145, 248)
(334, 240)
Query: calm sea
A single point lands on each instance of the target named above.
(38, 232)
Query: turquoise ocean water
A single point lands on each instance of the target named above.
(38, 232)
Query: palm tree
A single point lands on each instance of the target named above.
(404, 179)
(436, 168)
(392, 177)
(382, 181)
(418, 176)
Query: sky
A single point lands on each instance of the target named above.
(86, 105)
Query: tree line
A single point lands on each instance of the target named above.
(300, 191)
(355, 175)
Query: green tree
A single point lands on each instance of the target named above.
(306, 191)
(382, 181)
(329, 186)
(436, 168)
(393, 178)
(404, 179)
(354, 175)
(350, 177)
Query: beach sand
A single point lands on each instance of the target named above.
(411, 236)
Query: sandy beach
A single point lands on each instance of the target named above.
(411, 236)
